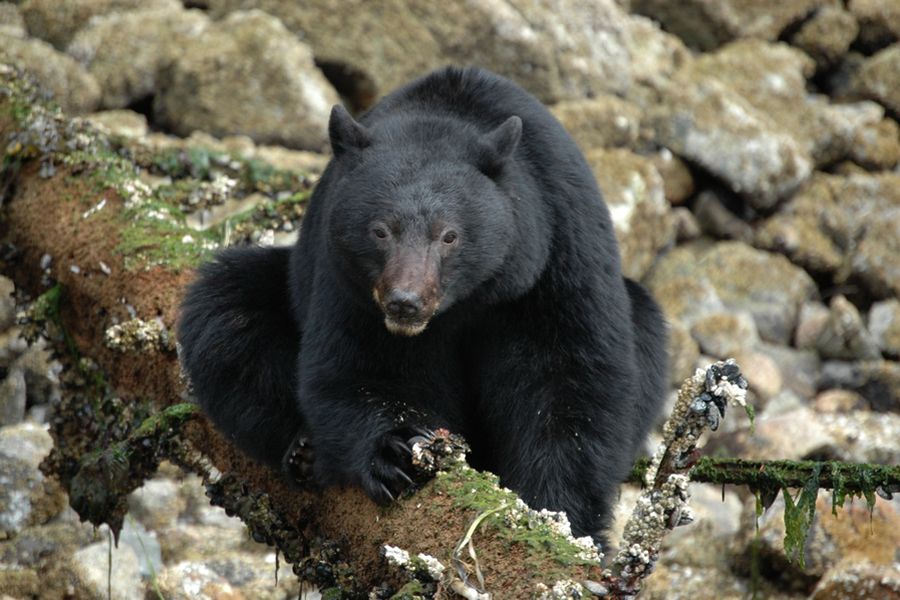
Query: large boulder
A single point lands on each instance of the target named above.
(126, 51)
(707, 24)
(559, 49)
(57, 22)
(772, 77)
(842, 226)
(879, 78)
(71, 86)
(634, 192)
(247, 75)
(706, 122)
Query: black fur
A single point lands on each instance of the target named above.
(536, 349)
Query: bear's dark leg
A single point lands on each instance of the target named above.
(651, 348)
(239, 347)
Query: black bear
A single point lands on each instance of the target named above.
(456, 268)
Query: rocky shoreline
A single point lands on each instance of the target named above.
(749, 155)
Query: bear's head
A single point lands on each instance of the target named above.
(420, 212)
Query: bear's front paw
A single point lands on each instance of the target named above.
(390, 471)
(297, 462)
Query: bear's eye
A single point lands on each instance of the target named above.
(450, 237)
(380, 232)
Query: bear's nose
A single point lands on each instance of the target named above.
(402, 304)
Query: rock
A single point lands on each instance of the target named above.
(800, 369)
(832, 539)
(686, 226)
(11, 21)
(827, 35)
(717, 220)
(125, 123)
(843, 226)
(57, 22)
(706, 122)
(249, 575)
(12, 398)
(876, 146)
(633, 190)
(605, 121)
(675, 582)
(26, 496)
(557, 50)
(26, 442)
(879, 22)
(884, 323)
(864, 436)
(126, 51)
(249, 59)
(854, 579)
(764, 284)
(677, 179)
(91, 566)
(879, 78)
(7, 303)
(838, 401)
(810, 323)
(878, 381)
(157, 504)
(794, 435)
(761, 371)
(707, 24)
(683, 353)
(772, 78)
(875, 261)
(194, 581)
(844, 335)
(33, 545)
(72, 87)
(145, 544)
(684, 294)
(722, 334)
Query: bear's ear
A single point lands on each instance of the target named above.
(497, 146)
(345, 133)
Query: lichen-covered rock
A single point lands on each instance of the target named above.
(683, 353)
(827, 35)
(91, 566)
(764, 284)
(57, 22)
(707, 24)
(801, 369)
(866, 437)
(844, 226)
(678, 182)
(722, 334)
(706, 122)
(126, 51)
(605, 121)
(7, 303)
(26, 496)
(810, 323)
(560, 49)
(247, 75)
(879, 78)
(876, 146)
(884, 323)
(716, 220)
(879, 22)
(859, 579)
(772, 77)
(126, 123)
(11, 21)
(762, 373)
(844, 335)
(878, 381)
(633, 190)
(72, 87)
(792, 435)
(157, 504)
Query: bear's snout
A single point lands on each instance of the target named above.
(403, 304)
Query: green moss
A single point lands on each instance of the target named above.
(411, 591)
(156, 234)
(480, 492)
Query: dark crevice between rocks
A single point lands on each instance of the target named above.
(144, 106)
(201, 4)
(356, 88)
